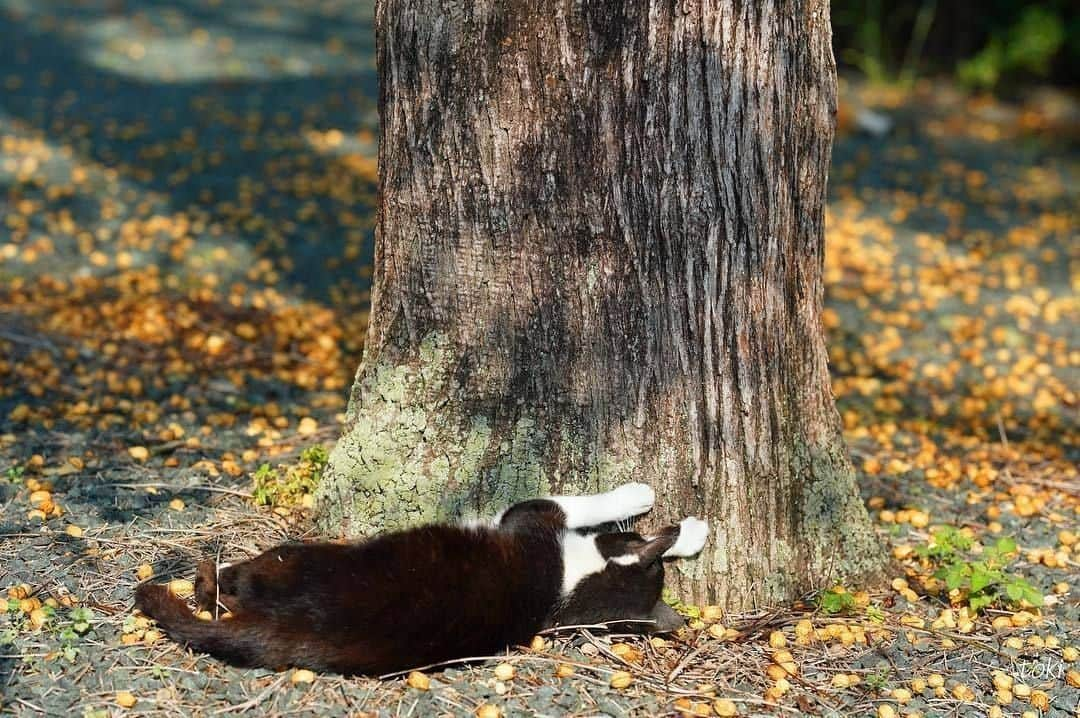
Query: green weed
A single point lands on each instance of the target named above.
(290, 485)
(981, 577)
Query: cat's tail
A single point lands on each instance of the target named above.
(237, 640)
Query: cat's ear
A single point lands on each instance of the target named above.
(653, 548)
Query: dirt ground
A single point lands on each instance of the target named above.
(186, 195)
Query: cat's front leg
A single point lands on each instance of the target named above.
(693, 533)
(619, 504)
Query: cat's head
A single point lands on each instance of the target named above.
(626, 592)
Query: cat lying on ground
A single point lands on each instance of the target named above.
(434, 593)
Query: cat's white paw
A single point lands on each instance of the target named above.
(693, 532)
(632, 499)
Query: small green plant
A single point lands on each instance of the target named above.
(878, 680)
(14, 474)
(981, 578)
(689, 610)
(836, 600)
(875, 613)
(288, 485)
(68, 630)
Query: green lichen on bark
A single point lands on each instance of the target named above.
(412, 453)
(841, 541)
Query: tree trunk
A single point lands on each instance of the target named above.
(598, 260)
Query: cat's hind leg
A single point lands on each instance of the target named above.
(619, 504)
(210, 593)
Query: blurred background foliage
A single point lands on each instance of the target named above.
(985, 44)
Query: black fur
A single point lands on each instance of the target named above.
(411, 598)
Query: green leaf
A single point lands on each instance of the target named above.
(1005, 545)
(956, 575)
(1014, 590)
(980, 601)
(981, 577)
(835, 601)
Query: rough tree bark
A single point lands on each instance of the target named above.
(599, 259)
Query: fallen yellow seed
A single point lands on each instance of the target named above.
(505, 672)
(935, 680)
(204, 616)
(151, 636)
(538, 644)
(1040, 700)
(725, 707)
(1072, 677)
(182, 587)
(620, 679)
(19, 592)
(418, 681)
(144, 572)
(125, 700)
(886, 711)
(1070, 654)
(302, 675)
(963, 692)
(564, 671)
(1022, 690)
(1002, 680)
(488, 710)
(776, 672)
(777, 639)
(176, 504)
(38, 617)
(139, 453)
(1023, 618)
(73, 531)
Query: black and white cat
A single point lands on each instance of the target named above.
(434, 593)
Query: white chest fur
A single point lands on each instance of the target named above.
(581, 558)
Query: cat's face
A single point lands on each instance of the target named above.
(627, 591)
